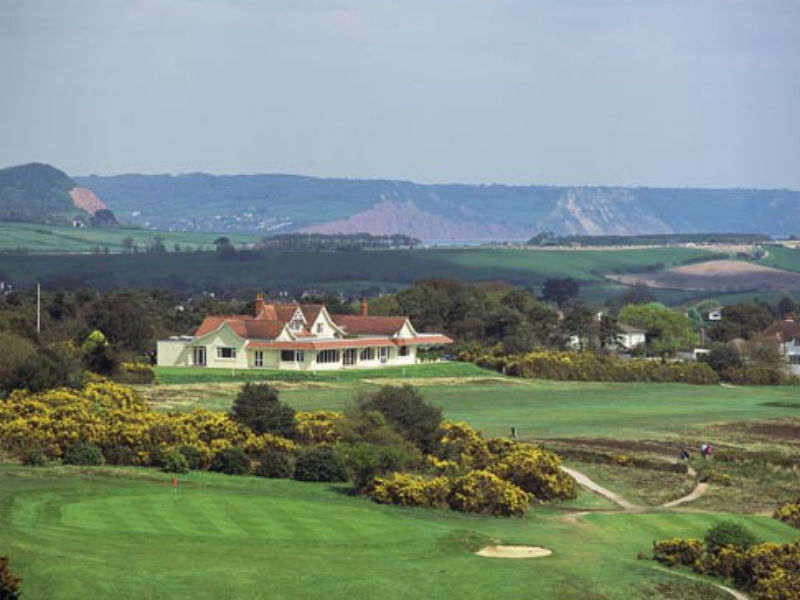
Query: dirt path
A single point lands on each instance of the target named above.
(699, 490)
(599, 489)
(735, 593)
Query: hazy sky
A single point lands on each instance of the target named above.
(629, 92)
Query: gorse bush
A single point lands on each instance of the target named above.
(320, 427)
(537, 472)
(591, 366)
(83, 453)
(789, 513)
(119, 422)
(320, 463)
(404, 489)
(766, 571)
(194, 457)
(485, 493)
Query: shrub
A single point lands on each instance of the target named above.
(406, 410)
(276, 465)
(485, 493)
(729, 533)
(231, 461)
(461, 444)
(537, 472)
(34, 457)
(83, 453)
(135, 373)
(365, 460)
(194, 458)
(591, 366)
(120, 455)
(319, 427)
(320, 463)
(403, 489)
(174, 461)
(257, 406)
(9, 585)
(676, 551)
(789, 513)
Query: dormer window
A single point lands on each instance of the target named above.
(319, 327)
(296, 325)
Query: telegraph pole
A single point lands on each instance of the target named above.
(38, 308)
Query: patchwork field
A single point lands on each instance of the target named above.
(385, 269)
(51, 239)
(717, 276)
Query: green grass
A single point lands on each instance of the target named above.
(782, 257)
(52, 239)
(204, 374)
(124, 533)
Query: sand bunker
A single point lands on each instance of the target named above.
(514, 552)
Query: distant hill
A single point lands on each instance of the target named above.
(283, 203)
(40, 193)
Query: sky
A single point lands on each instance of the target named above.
(677, 93)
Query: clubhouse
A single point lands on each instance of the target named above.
(301, 337)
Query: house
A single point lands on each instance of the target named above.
(626, 338)
(630, 337)
(303, 337)
(787, 335)
(715, 315)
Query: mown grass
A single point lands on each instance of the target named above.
(125, 533)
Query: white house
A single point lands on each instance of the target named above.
(787, 336)
(302, 337)
(630, 337)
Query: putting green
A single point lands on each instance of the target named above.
(125, 533)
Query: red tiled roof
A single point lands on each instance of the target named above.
(352, 343)
(783, 330)
(209, 324)
(358, 325)
(311, 312)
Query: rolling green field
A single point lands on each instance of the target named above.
(539, 409)
(782, 257)
(124, 533)
(204, 271)
(52, 239)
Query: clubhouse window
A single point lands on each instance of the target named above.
(327, 356)
(403, 351)
(292, 356)
(367, 354)
(226, 353)
(258, 359)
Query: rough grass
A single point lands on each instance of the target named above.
(72, 533)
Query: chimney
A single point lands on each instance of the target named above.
(364, 307)
(259, 307)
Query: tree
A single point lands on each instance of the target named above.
(258, 407)
(320, 463)
(667, 329)
(97, 354)
(741, 321)
(786, 306)
(560, 291)
(406, 410)
(729, 533)
(445, 305)
(231, 461)
(127, 244)
(581, 323)
(722, 357)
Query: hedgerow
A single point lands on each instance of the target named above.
(592, 366)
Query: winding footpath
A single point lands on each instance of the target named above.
(700, 489)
